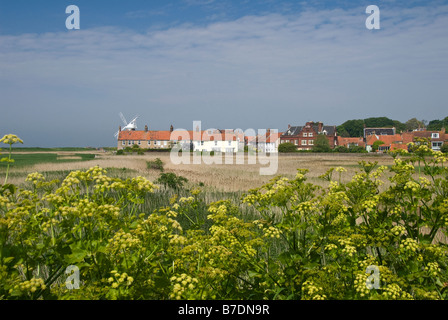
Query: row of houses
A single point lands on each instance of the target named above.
(226, 141)
(303, 137)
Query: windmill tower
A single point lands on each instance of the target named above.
(129, 126)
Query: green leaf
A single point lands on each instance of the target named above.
(76, 256)
(7, 260)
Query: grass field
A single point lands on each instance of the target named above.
(215, 177)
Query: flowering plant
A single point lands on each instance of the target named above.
(303, 241)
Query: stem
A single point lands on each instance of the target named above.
(9, 163)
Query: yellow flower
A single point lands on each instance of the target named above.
(11, 139)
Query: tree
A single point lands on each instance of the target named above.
(413, 124)
(379, 122)
(437, 125)
(354, 128)
(287, 147)
(342, 132)
(444, 148)
(321, 144)
(376, 145)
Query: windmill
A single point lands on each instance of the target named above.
(132, 125)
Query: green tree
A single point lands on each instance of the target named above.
(413, 124)
(342, 132)
(444, 148)
(321, 144)
(379, 122)
(436, 125)
(354, 128)
(287, 147)
(376, 145)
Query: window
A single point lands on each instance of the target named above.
(202, 143)
(305, 134)
(311, 142)
(435, 135)
(216, 143)
(296, 142)
(139, 142)
(123, 143)
(310, 135)
(230, 143)
(437, 145)
(303, 142)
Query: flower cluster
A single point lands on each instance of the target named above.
(394, 292)
(348, 248)
(433, 269)
(31, 285)
(409, 245)
(312, 292)
(122, 241)
(398, 231)
(183, 286)
(271, 232)
(11, 139)
(118, 279)
(361, 284)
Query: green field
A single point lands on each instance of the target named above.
(23, 160)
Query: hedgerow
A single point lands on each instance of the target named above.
(307, 242)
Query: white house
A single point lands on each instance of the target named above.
(224, 141)
(267, 143)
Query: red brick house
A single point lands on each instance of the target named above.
(305, 136)
(436, 139)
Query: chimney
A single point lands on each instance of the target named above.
(146, 128)
(289, 126)
(119, 128)
(320, 126)
(171, 128)
(268, 132)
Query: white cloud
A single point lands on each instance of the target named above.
(257, 71)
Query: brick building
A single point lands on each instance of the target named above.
(305, 136)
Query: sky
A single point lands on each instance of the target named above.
(229, 64)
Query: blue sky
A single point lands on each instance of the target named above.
(231, 64)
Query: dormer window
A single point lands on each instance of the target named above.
(435, 135)
(305, 134)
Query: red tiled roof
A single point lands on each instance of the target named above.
(345, 141)
(387, 139)
(178, 135)
(144, 135)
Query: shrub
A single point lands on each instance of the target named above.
(444, 148)
(321, 144)
(171, 180)
(156, 164)
(120, 152)
(287, 147)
